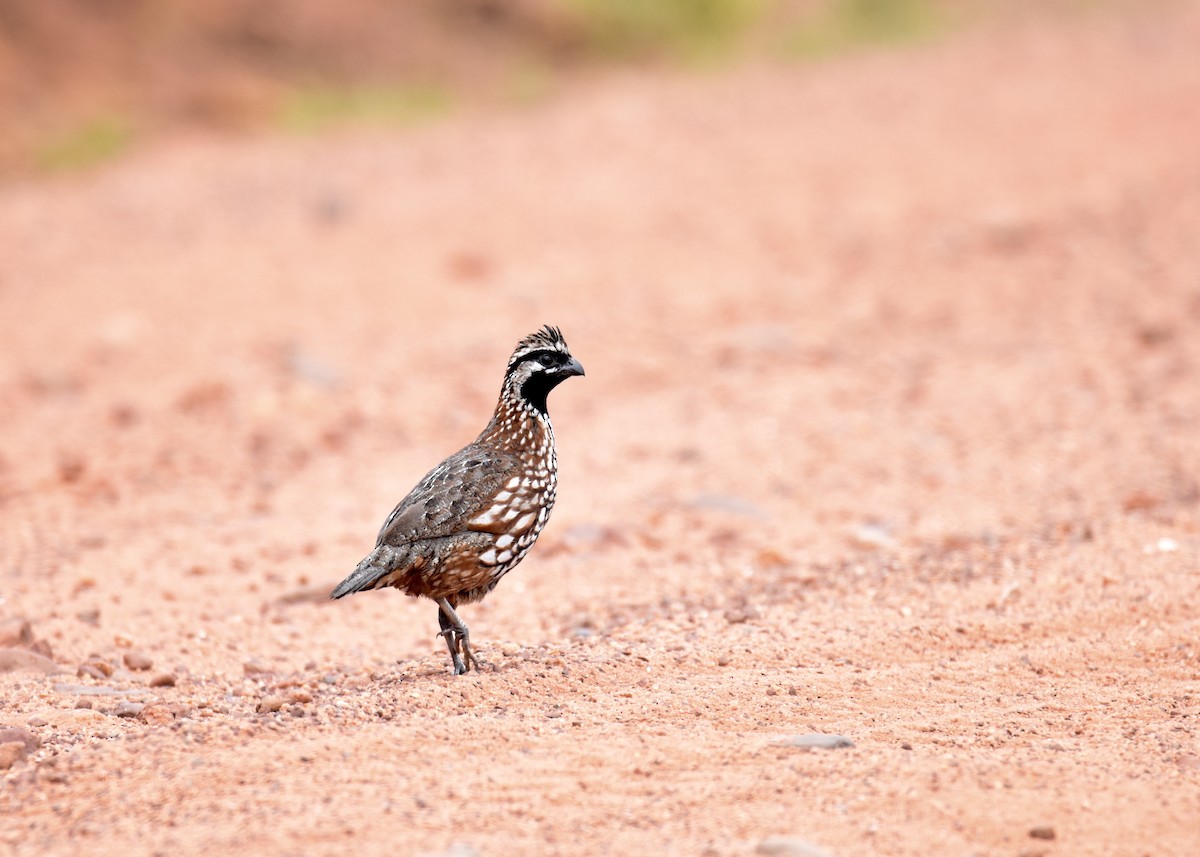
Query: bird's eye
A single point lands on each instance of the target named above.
(551, 359)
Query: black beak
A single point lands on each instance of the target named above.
(572, 367)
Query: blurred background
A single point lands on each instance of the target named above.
(889, 314)
(82, 81)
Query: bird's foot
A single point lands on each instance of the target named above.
(468, 655)
(458, 640)
(454, 644)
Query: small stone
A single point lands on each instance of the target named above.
(89, 617)
(89, 671)
(738, 615)
(871, 536)
(83, 703)
(128, 709)
(820, 741)
(788, 846)
(270, 703)
(99, 665)
(11, 752)
(18, 735)
(906, 746)
(158, 714)
(723, 661)
(163, 680)
(255, 667)
(137, 660)
(1165, 545)
(301, 695)
(122, 640)
(15, 632)
(17, 660)
(1043, 831)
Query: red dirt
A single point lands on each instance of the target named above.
(889, 430)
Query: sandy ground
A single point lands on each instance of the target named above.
(889, 431)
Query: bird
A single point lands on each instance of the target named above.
(475, 516)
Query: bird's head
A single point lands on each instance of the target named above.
(540, 363)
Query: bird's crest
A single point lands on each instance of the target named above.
(547, 337)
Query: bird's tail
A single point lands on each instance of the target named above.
(369, 574)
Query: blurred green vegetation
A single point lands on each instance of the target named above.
(311, 109)
(81, 78)
(86, 145)
(844, 25)
(682, 29)
(714, 29)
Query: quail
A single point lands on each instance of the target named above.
(475, 516)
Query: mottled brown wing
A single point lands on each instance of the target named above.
(449, 496)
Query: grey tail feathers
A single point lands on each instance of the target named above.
(366, 576)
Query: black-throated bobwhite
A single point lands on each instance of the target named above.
(475, 516)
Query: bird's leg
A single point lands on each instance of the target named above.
(451, 640)
(457, 636)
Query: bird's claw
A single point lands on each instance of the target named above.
(458, 640)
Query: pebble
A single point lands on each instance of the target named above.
(16, 632)
(11, 752)
(128, 709)
(15, 660)
(163, 680)
(300, 695)
(789, 846)
(98, 664)
(871, 536)
(738, 615)
(137, 660)
(89, 617)
(19, 735)
(255, 667)
(89, 671)
(158, 714)
(270, 703)
(1043, 831)
(820, 741)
